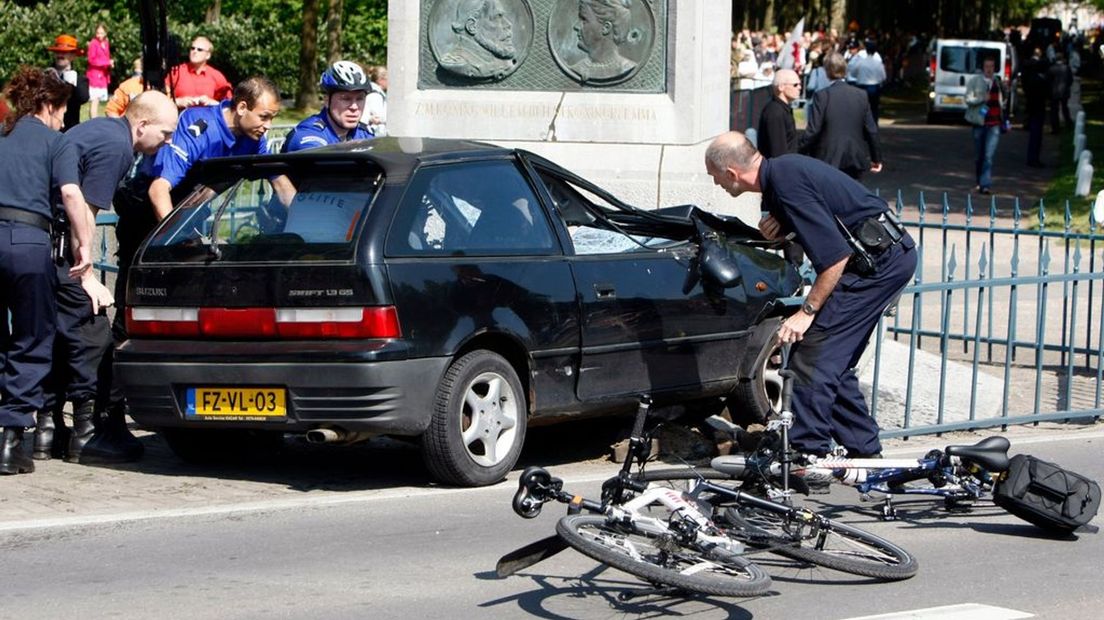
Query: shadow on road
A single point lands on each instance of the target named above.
(565, 597)
(375, 464)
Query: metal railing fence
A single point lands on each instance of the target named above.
(1021, 337)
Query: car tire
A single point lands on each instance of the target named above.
(211, 446)
(759, 389)
(479, 421)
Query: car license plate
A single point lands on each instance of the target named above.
(952, 100)
(246, 404)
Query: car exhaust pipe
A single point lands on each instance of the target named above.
(335, 436)
(325, 435)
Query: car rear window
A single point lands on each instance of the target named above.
(962, 59)
(310, 215)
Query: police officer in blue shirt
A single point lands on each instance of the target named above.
(34, 161)
(105, 149)
(346, 87)
(862, 257)
(235, 127)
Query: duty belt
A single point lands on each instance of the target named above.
(877, 234)
(23, 216)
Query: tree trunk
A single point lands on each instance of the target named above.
(837, 18)
(335, 10)
(308, 56)
(213, 12)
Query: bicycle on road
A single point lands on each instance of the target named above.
(697, 539)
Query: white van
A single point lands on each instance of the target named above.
(953, 61)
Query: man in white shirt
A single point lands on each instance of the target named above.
(867, 71)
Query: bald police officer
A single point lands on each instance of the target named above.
(105, 150)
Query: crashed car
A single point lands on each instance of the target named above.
(451, 291)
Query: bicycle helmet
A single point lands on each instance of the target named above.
(344, 75)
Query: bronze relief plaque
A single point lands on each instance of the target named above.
(601, 42)
(544, 45)
(480, 40)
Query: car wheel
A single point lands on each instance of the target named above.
(207, 446)
(759, 390)
(479, 420)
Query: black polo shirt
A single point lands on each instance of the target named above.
(105, 155)
(34, 161)
(805, 195)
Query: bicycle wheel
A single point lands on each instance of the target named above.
(659, 559)
(825, 543)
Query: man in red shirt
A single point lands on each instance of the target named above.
(195, 83)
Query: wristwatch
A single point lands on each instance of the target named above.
(809, 309)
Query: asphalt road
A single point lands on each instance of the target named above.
(409, 552)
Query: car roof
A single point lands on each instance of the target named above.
(397, 156)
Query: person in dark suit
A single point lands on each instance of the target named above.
(841, 130)
(777, 132)
(1036, 91)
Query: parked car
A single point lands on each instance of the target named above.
(952, 63)
(448, 290)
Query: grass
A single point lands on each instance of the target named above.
(1064, 183)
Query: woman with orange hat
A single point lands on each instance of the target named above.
(65, 49)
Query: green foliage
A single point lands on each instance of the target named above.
(251, 37)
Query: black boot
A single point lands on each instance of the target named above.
(51, 438)
(84, 426)
(105, 440)
(12, 459)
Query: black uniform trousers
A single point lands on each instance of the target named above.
(28, 280)
(827, 403)
(82, 340)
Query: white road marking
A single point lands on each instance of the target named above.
(965, 611)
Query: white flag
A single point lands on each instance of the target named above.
(791, 56)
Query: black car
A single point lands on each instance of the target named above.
(447, 290)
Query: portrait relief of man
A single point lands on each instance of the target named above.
(602, 27)
(483, 45)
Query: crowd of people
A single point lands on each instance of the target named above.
(57, 173)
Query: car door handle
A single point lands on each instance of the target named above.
(605, 291)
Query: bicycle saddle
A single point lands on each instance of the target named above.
(731, 464)
(991, 453)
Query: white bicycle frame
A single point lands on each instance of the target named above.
(676, 502)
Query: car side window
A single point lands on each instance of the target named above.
(470, 209)
(585, 216)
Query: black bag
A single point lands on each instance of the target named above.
(1046, 495)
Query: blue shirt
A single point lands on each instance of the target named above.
(806, 195)
(34, 161)
(105, 154)
(201, 134)
(315, 131)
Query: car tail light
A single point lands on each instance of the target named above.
(172, 322)
(1008, 69)
(374, 322)
(265, 323)
(931, 68)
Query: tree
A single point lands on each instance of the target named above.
(308, 56)
(334, 16)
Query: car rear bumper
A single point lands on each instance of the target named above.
(388, 397)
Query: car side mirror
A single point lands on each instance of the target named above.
(718, 266)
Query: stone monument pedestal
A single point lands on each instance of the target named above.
(641, 133)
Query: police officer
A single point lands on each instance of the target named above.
(105, 150)
(235, 127)
(34, 160)
(346, 87)
(825, 209)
